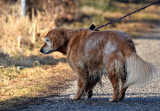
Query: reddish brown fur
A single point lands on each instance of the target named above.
(90, 62)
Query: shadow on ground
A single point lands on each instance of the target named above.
(149, 99)
(29, 62)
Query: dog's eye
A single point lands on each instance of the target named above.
(47, 40)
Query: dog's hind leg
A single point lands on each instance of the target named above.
(114, 68)
(82, 84)
(113, 74)
(113, 77)
(123, 90)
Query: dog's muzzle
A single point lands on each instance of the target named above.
(42, 51)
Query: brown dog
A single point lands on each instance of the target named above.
(92, 54)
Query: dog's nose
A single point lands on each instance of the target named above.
(41, 50)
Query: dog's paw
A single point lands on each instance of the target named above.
(110, 99)
(113, 100)
(90, 93)
(71, 96)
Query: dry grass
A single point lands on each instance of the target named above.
(47, 79)
(25, 73)
(22, 33)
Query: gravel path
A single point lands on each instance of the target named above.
(144, 98)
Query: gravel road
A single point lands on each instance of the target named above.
(138, 98)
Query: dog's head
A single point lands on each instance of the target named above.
(54, 41)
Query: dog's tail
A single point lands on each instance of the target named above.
(138, 70)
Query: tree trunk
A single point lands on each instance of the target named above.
(23, 8)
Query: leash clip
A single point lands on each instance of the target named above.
(92, 27)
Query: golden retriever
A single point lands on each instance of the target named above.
(92, 54)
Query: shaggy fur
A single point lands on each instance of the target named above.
(92, 54)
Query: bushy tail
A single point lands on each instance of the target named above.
(138, 70)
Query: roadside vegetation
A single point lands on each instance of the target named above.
(25, 73)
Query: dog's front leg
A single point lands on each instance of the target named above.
(82, 84)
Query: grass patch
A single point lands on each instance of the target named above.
(18, 86)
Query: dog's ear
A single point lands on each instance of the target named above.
(60, 39)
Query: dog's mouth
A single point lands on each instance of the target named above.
(50, 52)
(42, 51)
